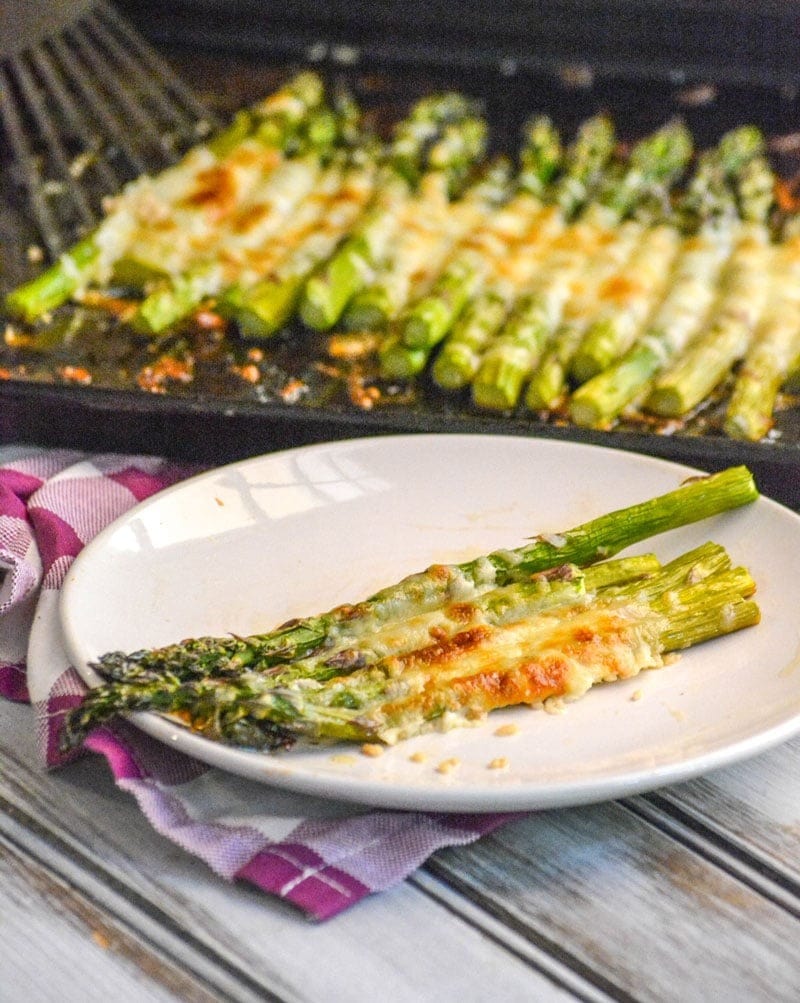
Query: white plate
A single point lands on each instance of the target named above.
(243, 548)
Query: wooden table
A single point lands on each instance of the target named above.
(691, 893)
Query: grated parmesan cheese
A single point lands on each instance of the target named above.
(498, 763)
(448, 765)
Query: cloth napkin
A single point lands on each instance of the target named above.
(320, 855)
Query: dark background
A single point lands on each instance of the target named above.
(722, 41)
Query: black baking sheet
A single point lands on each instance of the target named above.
(215, 421)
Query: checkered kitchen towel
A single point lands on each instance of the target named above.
(320, 855)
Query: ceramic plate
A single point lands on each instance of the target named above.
(244, 547)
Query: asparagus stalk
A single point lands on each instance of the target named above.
(600, 400)
(278, 115)
(459, 359)
(139, 680)
(540, 156)
(409, 156)
(460, 355)
(518, 347)
(263, 308)
(547, 382)
(206, 267)
(426, 226)
(479, 668)
(199, 227)
(707, 200)
(416, 145)
(775, 347)
(709, 358)
(304, 223)
(144, 672)
(584, 164)
(709, 213)
(328, 292)
(616, 328)
(431, 317)
(481, 321)
(432, 224)
(93, 258)
(429, 320)
(655, 162)
(345, 627)
(755, 190)
(267, 212)
(707, 560)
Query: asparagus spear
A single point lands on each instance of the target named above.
(483, 317)
(206, 267)
(138, 676)
(413, 147)
(547, 383)
(199, 226)
(269, 209)
(92, 259)
(707, 200)
(600, 400)
(615, 329)
(654, 164)
(345, 627)
(540, 157)
(709, 358)
(168, 667)
(262, 308)
(431, 317)
(584, 163)
(709, 213)
(416, 139)
(431, 224)
(544, 590)
(775, 347)
(459, 359)
(328, 292)
(518, 347)
(460, 355)
(560, 651)
(708, 560)
(557, 654)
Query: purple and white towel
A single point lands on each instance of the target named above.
(322, 856)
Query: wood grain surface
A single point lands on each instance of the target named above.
(690, 893)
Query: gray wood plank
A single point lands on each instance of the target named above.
(46, 926)
(405, 944)
(754, 806)
(628, 905)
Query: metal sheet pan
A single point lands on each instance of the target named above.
(213, 421)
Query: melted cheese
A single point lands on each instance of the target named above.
(560, 654)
